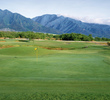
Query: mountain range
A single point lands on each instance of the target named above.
(50, 23)
(69, 25)
(17, 22)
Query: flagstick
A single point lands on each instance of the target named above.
(37, 55)
(36, 49)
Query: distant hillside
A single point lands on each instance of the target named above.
(69, 25)
(17, 22)
(6, 29)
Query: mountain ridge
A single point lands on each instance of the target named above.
(18, 22)
(69, 25)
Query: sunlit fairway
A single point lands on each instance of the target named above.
(59, 70)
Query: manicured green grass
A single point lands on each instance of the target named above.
(81, 72)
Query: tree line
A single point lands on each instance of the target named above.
(35, 35)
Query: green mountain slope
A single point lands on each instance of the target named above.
(18, 22)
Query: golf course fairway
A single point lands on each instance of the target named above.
(56, 70)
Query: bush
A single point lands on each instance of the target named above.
(108, 43)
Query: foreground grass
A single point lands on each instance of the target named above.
(54, 96)
(77, 73)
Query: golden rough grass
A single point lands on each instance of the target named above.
(2, 41)
(6, 46)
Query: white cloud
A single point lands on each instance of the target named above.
(95, 20)
(88, 19)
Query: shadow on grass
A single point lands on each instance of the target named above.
(23, 40)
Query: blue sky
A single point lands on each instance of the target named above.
(95, 11)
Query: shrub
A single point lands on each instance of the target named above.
(108, 43)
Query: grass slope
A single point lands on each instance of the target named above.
(77, 73)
